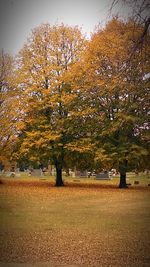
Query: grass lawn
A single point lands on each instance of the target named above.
(142, 178)
(81, 224)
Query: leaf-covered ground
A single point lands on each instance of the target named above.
(76, 225)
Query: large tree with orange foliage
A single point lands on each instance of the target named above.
(41, 80)
(116, 89)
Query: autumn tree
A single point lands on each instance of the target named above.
(139, 12)
(46, 126)
(7, 104)
(117, 91)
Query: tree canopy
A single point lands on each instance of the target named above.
(7, 109)
(79, 103)
(117, 89)
(44, 62)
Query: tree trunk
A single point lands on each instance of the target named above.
(122, 170)
(123, 180)
(59, 181)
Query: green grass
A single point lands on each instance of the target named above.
(142, 178)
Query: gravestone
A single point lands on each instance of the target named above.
(83, 174)
(103, 175)
(35, 172)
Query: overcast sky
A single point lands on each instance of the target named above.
(19, 17)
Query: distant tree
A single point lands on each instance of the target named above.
(7, 103)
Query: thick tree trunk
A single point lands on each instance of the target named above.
(123, 180)
(59, 180)
(122, 170)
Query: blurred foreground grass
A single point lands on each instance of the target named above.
(79, 225)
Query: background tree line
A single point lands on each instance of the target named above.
(78, 103)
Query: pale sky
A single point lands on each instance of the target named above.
(19, 17)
